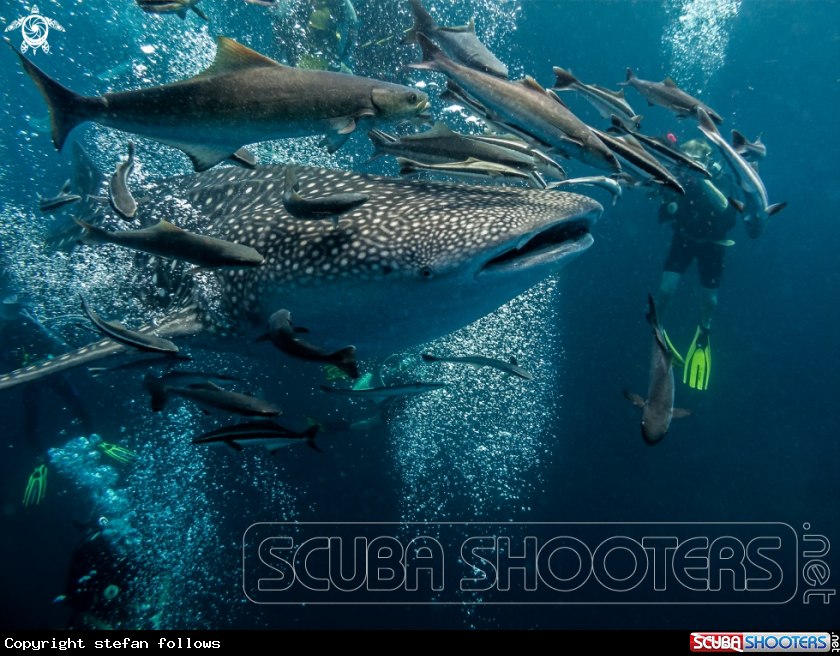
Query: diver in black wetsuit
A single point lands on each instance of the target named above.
(701, 220)
(23, 342)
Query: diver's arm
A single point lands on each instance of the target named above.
(716, 198)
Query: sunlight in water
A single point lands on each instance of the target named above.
(698, 38)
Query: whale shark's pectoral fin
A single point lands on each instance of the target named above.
(185, 323)
(679, 413)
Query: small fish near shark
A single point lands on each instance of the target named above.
(241, 98)
(324, 207)
(667, 94)
(752, 152)
(459, 43)
(284, 335)
(209, 397)
(119, 195)
(418, 260)
(473, 169)
(601, 181)
(479, 361)
(608, 103)
(658, 409)
(266, 434)
(115, 331)
(177, 7)
(64, 197)
(380, 394)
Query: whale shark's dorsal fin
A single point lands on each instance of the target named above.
(231, 57)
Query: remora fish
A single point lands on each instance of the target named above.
(241, 98)
(119, 333)
(169, 241)
(177, 7)
(324, 207)
(119, 195)
(440, 145)
(545, 165)
(473, 169)
(259, 433)
(667, 94)
(460, 43)
(284, 335)
(139, 365)
(379, 394)
(662, 150)
(594, 181)
(524, 108)
(607, 102)
(491, 244)
(658, 409)
(638, 162)
(758, 212)
(209, 398)
(479, 361)
(64, 197)
(752, 152)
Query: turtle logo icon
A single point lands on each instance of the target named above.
(35, 29)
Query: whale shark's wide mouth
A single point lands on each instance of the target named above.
(550, 245)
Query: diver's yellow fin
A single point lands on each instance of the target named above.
(698, 361)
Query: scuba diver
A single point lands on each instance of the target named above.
(700, 219)
(23, 340)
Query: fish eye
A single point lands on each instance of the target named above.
(412, 98)
(427, 273)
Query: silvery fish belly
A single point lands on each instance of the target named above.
(418, 260)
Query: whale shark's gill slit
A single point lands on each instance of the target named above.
(556, 235)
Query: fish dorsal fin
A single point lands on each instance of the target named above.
(232, 56)
(471, 25)
(66, 188)
(530, 83)
(165, 226)
(668, 82)
(440, 130)
(513, 360)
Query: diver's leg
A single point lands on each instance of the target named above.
(709, 304)
(680, 255)
(710, 262)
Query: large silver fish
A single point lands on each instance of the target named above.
(667, 94)
(459, 43)
(523, 108)
(241, 98)
(417, 261)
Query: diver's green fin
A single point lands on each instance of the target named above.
(36, 487)
(676, 359)
(118, 453)
(698, 361)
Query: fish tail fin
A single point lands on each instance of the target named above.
(428, 358)
(345, 359)
(775, 209)
(157, 390)
(565, 79)
(310, 434)
(630, 77)
(423, 22)
(432, 55)
(737, 204)
(379, 140)
(200, 13)
(637, 121)
(92, 234)
(67, 108)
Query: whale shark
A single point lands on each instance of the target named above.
(418, 260)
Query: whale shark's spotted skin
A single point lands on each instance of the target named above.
(409, 265)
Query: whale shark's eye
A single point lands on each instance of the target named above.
(427, 273)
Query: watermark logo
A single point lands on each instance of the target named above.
(35, 29)
(760, 642)
(525, 563)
